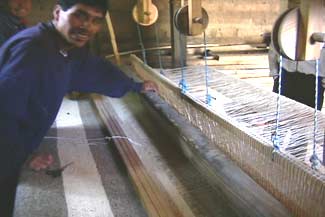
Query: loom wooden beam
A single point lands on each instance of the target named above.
(312, 21)
(112, 37)
(242, 192)
(292, 193)
(143, 7)
(154, 198)
(195, 17)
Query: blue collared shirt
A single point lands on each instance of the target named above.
(9, 25)
(34, 77)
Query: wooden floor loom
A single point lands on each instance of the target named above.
(241, 120)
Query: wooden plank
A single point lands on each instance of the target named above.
(153, 196)
(112, 36)
(194, 13)
(141, 181)
(178, 41)
(144, 6)
(312, 20)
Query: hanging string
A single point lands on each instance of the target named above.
(324, 149)
(208, 96)
(276, 135)
(159, 53)
(182, 83)
(255, 110)
(141, 44)
(315, 162)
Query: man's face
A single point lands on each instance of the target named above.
(79, 23)
(20, 8)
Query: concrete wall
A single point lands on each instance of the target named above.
(231, 22)
(240, 21)
(42, 11)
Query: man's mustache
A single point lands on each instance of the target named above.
(81, 31)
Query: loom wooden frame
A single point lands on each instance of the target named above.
(298, 187)
(154, 198)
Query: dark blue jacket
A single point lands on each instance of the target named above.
(35, 76)
(9, 25)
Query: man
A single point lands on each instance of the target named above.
(298, 82)
(298, 78)
(13, 15)
(38, 66)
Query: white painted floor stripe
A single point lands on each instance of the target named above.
(84, 191)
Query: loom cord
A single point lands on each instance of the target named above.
(208, 96)
(158, 45)
(182, 83)
(315, 162)
(275, 137)
(141, 44)
(255, 110)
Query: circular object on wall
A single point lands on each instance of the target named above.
(288, 34)
(182, 23)
(285, 33)
(145, 18)
(292, 39)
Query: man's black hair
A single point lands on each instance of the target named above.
(101, 4)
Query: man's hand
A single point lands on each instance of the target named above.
(149, 86)
(40, 161)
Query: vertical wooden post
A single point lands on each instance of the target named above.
(140, 10)
(291, 3)
(194, 16)
(312, 20)
(145, 7)
(284, 5)
(112, 36)
(178, 41)
(144, 10)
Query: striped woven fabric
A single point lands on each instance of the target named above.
(94, 185)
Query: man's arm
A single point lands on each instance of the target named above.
(17, 76)
(100, 76)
